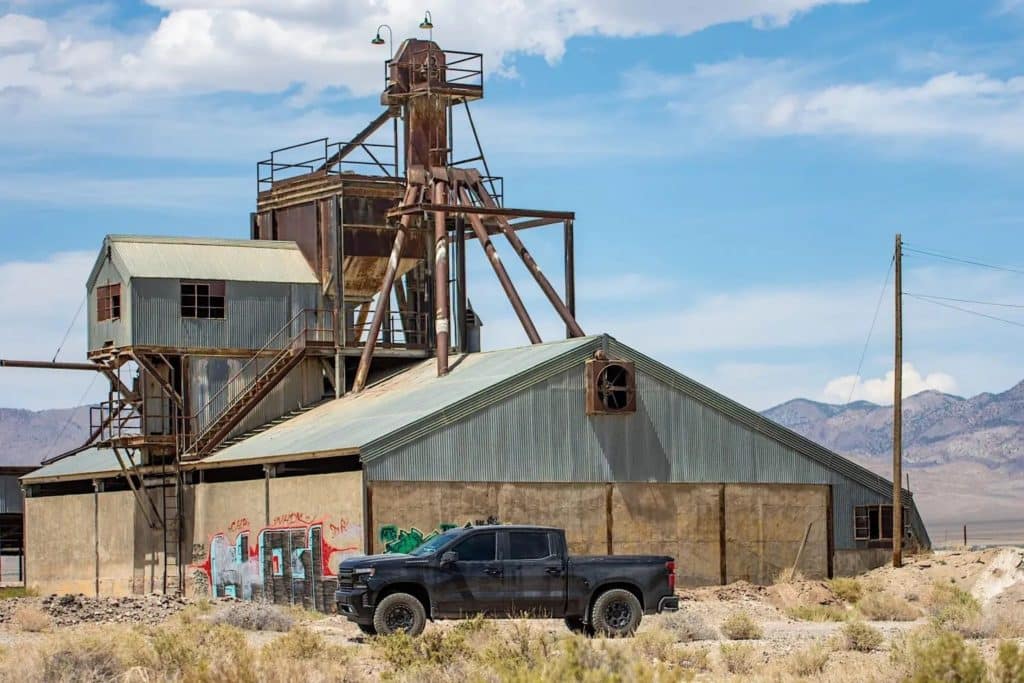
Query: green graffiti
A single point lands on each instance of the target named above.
(397, 540)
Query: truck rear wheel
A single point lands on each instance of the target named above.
(616, 613)
(576, 625)
(399, 612)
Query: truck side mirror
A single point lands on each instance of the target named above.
(449, 558)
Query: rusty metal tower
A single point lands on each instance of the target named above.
(380, 218)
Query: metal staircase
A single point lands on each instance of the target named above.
(226, 409)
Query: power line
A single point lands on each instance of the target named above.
(874, 319)
(964, 301)
(71, 415)
(959, 259)
(967, 310)
(70, 327)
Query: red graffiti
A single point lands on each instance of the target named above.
(240, 524)
(293, 519)
(339, 528)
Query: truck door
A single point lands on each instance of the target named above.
(534, 573)
(474, 582)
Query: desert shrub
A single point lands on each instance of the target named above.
(738, 658)
(953, 607)
(810, 661)
(1009, 666)
(1002, 626)
(8, 592)
(89, 654)
(788, 575)
(203, 651)
(656, 644)
(31, 619)
(740, 626)
(299, 643)
(695, 658)
(817, 613)
(255, 616)
(847, 588)
(882, 606)
(861, 637)
(936, 655)
(433, 647)
(687, 627)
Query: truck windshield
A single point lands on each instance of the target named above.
(432, 545)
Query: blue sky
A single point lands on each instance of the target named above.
(738, 168)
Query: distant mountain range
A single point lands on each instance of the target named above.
(27, 437)
(938, 429)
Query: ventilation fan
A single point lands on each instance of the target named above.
(611, 387)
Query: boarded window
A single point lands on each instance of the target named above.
(874, 522)
(202, 300)
(108, 302)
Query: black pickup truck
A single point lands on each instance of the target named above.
(503, 571)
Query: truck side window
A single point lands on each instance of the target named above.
(528, 545)
(478, 548)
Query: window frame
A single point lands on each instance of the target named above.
(108, 302)
(524, 532)
(202, 299)
(862, 515)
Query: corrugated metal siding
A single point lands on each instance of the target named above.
(207, 375)
(543, 434)
(256, 311)
(116, 331)
(11, 500)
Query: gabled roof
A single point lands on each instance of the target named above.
(204, 259)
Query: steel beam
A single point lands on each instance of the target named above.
(441, 288)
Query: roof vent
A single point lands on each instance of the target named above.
(610, 387)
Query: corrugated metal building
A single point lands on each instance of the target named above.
(509, 435)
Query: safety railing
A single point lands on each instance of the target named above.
(321, 154)
(397, 330)
(442, 68)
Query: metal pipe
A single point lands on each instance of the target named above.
(385, 295)
(460, 279)
(441, 291)
(48, 365)
(570, 271)
(499, 270)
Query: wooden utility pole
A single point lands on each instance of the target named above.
(897, 415)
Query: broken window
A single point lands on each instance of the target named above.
(202, 300)
(108, 302)
(874, 522)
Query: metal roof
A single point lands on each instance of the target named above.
(413, 399)
(91, 461)
(206, 259)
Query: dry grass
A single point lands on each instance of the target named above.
(741, 626)
(687, 627)
(1009, 666)
(255, 616)
(882, 606)
(818, 613)
(953, 607)
(809, 661)
(847, 588)
(738, 658)
(788, 575)
(861, 637)
(31, 619)
(933, 654)
(8, 592)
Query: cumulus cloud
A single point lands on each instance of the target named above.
(880, 389)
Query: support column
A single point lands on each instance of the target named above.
(570, 274)
(442, 313)
(460, 283)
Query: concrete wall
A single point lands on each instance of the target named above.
(763, 524)
(287, 551)
(60, 544)
(853, 562)
(116, 547)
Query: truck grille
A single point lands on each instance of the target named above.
(346, 578)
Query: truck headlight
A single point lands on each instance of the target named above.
(362, 575)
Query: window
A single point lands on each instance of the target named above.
(202, 300)
(108, 302)
(528, 545)
(874, 522)
(478, 548)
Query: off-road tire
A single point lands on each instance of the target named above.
(616, 613)
(399, 612)
(576, 625)
(368, 629)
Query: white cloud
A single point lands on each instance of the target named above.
(41, 298)
(779, 98)
(880, 389)
(263, 46)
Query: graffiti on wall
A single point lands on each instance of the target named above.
(394, 539)
(293, 561)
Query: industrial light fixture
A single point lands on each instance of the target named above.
(377, 40)
(427, 22)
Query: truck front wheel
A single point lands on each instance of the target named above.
(616, 613)
(399, 612)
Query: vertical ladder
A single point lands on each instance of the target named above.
(170, 487)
